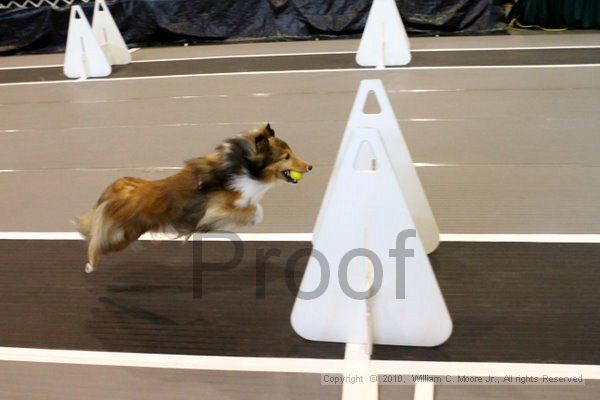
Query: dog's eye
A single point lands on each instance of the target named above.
(287, 156)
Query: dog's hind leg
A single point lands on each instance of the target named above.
(110, 239)
(94, 254)
(97, 230)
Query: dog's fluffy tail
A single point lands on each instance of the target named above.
(84, 223)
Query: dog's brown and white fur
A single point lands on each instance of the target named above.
(210, 192)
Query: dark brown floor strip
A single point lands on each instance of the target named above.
(320, 61)
(510, 302)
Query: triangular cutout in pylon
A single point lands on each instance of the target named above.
(384, 41)
(108, 35)
(83, 56)
(371, 104)
(385, 122)
(406, 306)
(365, 158)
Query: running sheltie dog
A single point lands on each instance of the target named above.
(210, 192)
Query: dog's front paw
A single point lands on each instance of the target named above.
(258, 215)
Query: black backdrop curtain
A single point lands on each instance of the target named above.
(148, 22)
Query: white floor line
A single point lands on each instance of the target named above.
(132, 50)
(307, 71)
(307, 237)
(195, 58)
(245, 237)
(292, 365)
(261, 55)
(244, 56)
(354, 52)
(179, 168)
(31, 67)
(521, 237)
(509, 48)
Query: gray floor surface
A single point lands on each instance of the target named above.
(501, 150)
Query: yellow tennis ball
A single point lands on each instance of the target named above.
(296, 175)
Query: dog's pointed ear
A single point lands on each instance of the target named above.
(262, 143)
(268, 130)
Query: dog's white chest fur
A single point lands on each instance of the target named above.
(252, 191)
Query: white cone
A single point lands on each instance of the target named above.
(108, 35)
(384, 41)
(366, 208)
(83, 56)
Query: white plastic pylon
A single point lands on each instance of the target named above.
(384, 41)
(108, 35)
(83, 56)
(362, 229)
(386, 125)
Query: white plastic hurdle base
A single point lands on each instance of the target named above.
(366, 210)
(359, 358)
(108, 35)
(83, 56)
(424, 391)
(384, 41)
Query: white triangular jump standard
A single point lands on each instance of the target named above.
(108, 35)
(384, 41)
(83, 56)
(367, 211)
(366, 208)
(386, 125)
